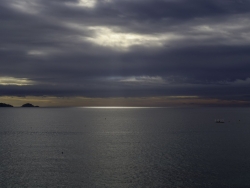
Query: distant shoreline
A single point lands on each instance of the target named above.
(5, 105)
(27, 105)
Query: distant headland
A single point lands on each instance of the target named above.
(28, 105)
(24, 105)
(5, 105)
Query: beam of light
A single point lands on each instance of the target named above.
(15, 81)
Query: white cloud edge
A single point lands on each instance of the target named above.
(15, 81)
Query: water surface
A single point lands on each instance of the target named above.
(125, 147)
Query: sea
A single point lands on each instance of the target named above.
(125, 147)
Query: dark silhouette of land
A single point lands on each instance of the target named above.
(28, 105)
(5, 105)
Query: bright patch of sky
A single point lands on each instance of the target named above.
(87, 3)
(143, 79)
(108, 37)
(233, 30)
(15, 81)
(26, 6)
(36, 53)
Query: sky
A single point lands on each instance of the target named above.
(125, 52)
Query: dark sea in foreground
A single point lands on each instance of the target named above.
(125, 147)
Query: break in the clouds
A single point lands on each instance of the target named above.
(15, 81)
(125, 48)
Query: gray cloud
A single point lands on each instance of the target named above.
(126, 48)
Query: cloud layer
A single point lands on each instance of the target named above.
(125, 48)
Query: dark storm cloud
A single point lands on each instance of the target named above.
(125, 48)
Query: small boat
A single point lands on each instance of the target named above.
(219, 121)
